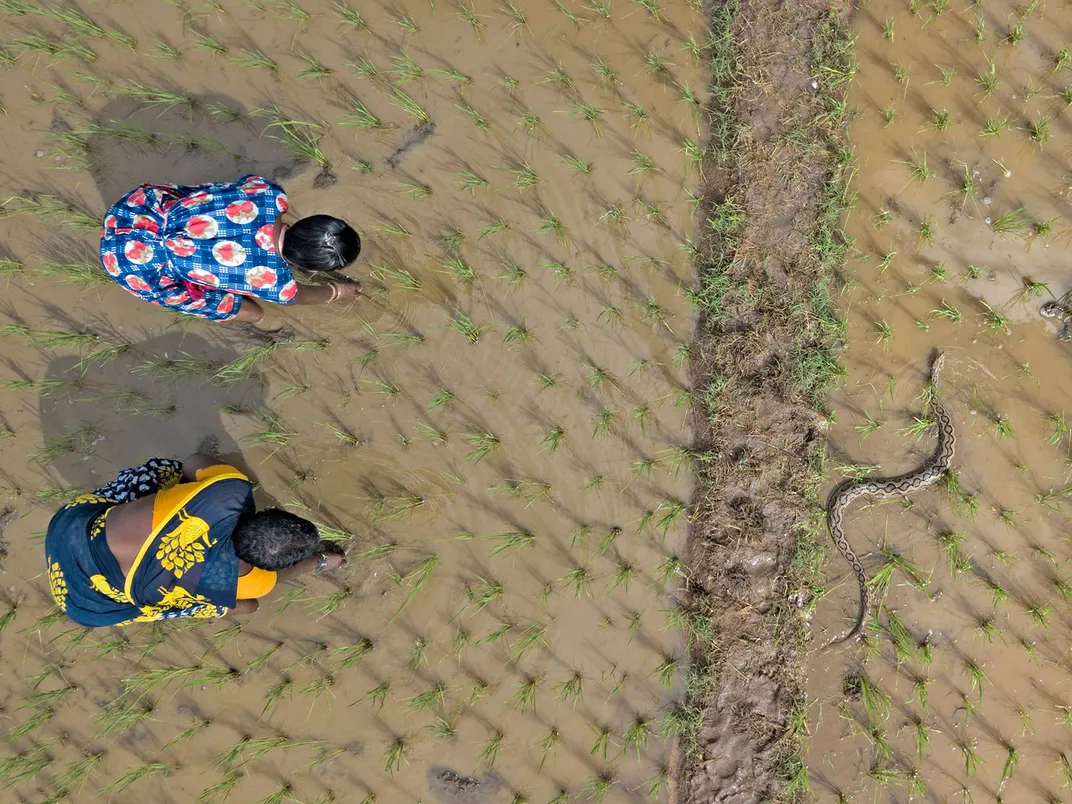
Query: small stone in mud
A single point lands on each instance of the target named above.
(450, 787)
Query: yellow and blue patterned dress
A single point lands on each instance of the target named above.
(186, 567)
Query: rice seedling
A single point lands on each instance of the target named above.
(427, 700)
(364, 67)
(655, 64)
(512, 273)
(152, 97)
(400, 100)
(1015, 220)
(876, 703)
(416, 578)
(517, 335)
(524, 698)
(468, 14)
(901, 74)
(377, 696)
(988, 80)
(976, 675)
(50, 207)
(577, 164)
(605, 74)
(256, 58)
(513, 540)
(1039, 129)
(413, 190)
(566, 12)
(82, 441)
(221, 790)
(972, 761)
(593, 115)
(579, 578)
(348, 18)
(443, 398)
(1039, 614)
(530, 121)
(518, 20)
(598, 787)
(602, 423)
(77, 772)
(408, 25)
(1016, 32)
(131, 776)
(464, 326)
(360, 116)
(475, 117)
(1064, 768)
(470, 182)
(636, 735)
(941, 119)
(406, 69)
(919, 172)
(552, 439)
(490, 752)
(394, 755)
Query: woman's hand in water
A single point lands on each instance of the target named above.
(336, 555)
(349, 291)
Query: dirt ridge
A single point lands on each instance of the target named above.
(762, 356)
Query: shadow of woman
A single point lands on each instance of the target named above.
(215, 139)
(155, 399)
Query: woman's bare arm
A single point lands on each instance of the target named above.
(335, 560)
(322, 294)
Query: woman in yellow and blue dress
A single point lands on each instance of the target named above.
(169, 539)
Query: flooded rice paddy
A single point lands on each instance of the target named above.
(496, 431)
(959, 691)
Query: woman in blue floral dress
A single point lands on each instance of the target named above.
(208, 250)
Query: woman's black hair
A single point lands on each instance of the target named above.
(321, 243)
(274, 539)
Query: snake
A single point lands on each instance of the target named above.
(1062, 312)
(882, 487)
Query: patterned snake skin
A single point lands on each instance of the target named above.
(1062, 312)
(898, 486)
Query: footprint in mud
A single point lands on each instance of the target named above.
(450, 787)
(414, 137)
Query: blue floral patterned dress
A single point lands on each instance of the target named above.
(199, 249)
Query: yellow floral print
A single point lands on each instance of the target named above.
(100, 583)
(81, 499)
(185, 546)
(177, 598)
(98, 525)
(57, 585)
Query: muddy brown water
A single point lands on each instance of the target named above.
(613, 635)
(1003, 389)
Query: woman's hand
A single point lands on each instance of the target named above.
(348, 291)
(335, 554)
(334, 290)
